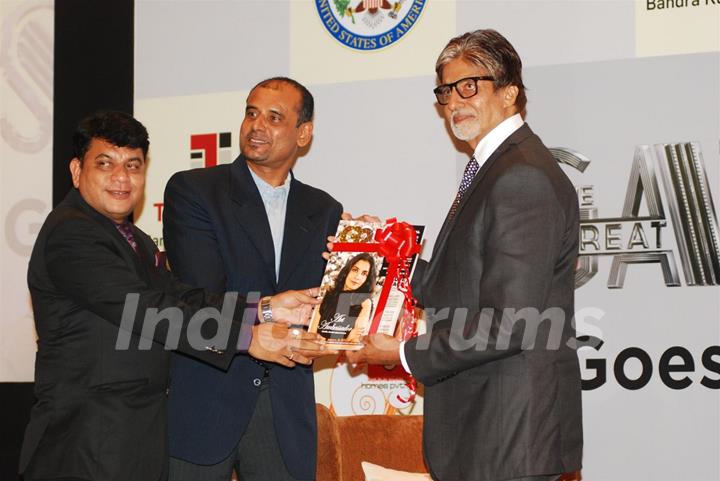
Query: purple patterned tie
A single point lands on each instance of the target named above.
(470, 170)
(126, 232)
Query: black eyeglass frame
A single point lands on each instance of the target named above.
(437, 92)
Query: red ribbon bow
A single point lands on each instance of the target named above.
(397, 242)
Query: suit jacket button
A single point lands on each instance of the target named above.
(257, 382)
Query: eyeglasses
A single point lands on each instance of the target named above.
(465, 87)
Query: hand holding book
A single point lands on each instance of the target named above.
(281, 343)
(377, 349)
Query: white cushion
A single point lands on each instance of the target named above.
(373, 472)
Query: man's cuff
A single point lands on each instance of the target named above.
(403, 361)
(249, 319)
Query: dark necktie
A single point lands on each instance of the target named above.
(471, 169)
(126, 230)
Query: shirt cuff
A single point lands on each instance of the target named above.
(403, 361)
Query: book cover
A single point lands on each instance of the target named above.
(351, 289)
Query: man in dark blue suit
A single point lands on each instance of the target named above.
(249, 226)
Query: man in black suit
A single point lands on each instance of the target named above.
(248, 226)
(502, 397)
(106, 311)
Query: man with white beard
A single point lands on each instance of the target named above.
(499, 405)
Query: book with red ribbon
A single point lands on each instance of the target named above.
(366, 285)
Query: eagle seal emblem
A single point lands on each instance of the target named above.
(369, 24)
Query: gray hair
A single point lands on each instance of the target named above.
(488, 49)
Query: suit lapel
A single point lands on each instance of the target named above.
(137, 259)
(146, 251)
(126, 252)
(449, 224)
(299, 230)
(250, 213)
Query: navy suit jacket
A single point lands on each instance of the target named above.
(217, 236)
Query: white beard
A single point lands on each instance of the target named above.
(467, 131)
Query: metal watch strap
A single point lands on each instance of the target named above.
(265, 309)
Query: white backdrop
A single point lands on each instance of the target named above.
(608, 79)
(605, 79)
(26, 77)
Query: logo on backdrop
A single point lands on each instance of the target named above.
(369, 24)
(207, 150)
(26, 66)
(684, 201)
(369, 390)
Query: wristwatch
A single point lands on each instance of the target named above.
(265, 309)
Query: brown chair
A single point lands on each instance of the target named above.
(394, 442)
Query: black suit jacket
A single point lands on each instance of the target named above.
(217, 236)
(101, 411)
(503, 410)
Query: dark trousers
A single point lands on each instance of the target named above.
(256, 458)
(553, 477)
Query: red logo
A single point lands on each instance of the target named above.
(208, 150)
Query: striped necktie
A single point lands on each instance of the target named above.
(471, 169)
(126, 230)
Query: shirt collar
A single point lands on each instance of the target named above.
(267, 190)
(495, 137)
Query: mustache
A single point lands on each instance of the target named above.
(458, 112)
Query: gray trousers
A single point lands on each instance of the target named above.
(256, 458)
